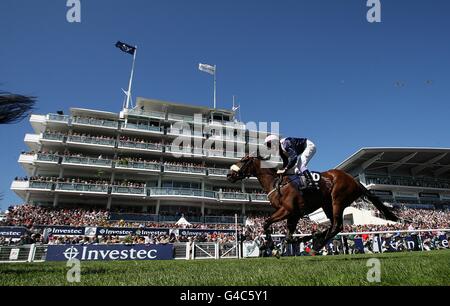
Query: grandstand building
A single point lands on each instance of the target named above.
(128, 161)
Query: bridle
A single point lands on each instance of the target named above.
(240, 170)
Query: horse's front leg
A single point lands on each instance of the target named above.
(292, 226)
(279, 215)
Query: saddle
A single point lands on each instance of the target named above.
(299, 182)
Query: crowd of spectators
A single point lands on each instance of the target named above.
(407, 181)
(29, 216)
(124, 138)
(184, 164)
(91, 137)
(63, 180)
(129, 160)
(129, 184)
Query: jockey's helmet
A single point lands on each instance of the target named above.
(270, 139)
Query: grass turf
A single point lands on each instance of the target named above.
(417, 268)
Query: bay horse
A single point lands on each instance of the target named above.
(337, 191)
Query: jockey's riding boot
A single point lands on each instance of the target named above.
(310, 184)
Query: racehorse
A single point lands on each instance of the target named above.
(337, 190)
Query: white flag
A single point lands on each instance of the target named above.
(207, 68)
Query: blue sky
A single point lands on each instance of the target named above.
(317, 67)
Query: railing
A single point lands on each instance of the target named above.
(96, 122)
(218, 171)
(183, 118)
(227, 138)
(184, 169)
(140, 145)
(91, 140)
(180, 192)
(41, 185)
(128, 190)
(53, 137)
(225, 154)
(82, 187)
(87, 161)
(59, 118)
(233, 196)
(143, 127)
(53, 158)
(259, 197)
(178, 150)
(406, 181)
(178, 132)
(139, 165)
(153, 114)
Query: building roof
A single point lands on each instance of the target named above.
(432, 162)
(161, 106)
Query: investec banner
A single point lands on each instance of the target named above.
(199, 232)
(64, 230)
(121, 231)
(102, 231)
(12, 232)
(109, 252)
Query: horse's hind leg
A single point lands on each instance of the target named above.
(336, 226)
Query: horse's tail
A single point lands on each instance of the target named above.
(378, 204)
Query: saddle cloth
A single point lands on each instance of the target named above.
(300, 181)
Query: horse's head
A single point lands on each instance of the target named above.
(246, 167)
(243, 169)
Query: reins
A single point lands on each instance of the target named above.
(280, 185)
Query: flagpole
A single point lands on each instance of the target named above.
(127, 106)
(215, 69)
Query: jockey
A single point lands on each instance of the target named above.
(295, 153)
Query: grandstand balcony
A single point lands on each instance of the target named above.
(69, 187)
(27, 185)
(218, 172)
(228, 138)
(140, 146)
(128, 191)
(407, 182)
(259, 198)
(185, 151)
(46, 158)
(95, 123)
(87, 161)
(233, 197)
(168, 168)
(27, 159)
(180, 118)
(138, 166)
(143, 128)
(146, 114)
(52, 138)
(223, 155)
(189, 134)
(77, 140)
(33, 141)
(225, 124)
(181, 193)
(55, 118)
